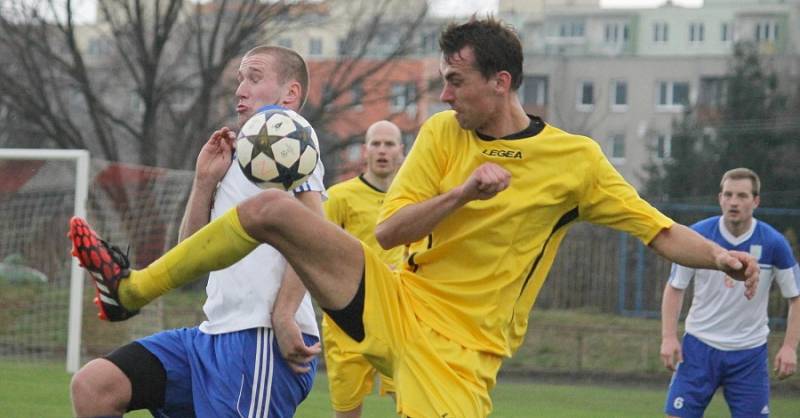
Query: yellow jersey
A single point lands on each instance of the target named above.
(475, 278)
(354, 205)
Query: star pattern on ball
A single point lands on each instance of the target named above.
(277, 148)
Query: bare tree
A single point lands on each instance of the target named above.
(147, 82)
(379, 35)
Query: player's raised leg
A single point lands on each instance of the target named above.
(329, 261)
(121, 292)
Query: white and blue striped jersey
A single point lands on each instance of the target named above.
(242, 295)
(720, 315)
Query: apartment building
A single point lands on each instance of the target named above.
(622, 76)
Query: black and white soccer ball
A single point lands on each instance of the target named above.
(277, 148)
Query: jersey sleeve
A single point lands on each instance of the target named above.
(611, 201)
(419, 177)
(314, 183)
(680, 276)
(787, 273)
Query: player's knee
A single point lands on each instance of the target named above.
(82, 386)
(353, 413)
(266, 208)
(99, 387)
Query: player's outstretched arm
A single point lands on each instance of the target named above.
(290, 295)
(416, 221)
(212, 163)
(686, 247)
(671, 302)
(786, 359)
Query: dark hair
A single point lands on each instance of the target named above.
(289, 66)
(495, 44)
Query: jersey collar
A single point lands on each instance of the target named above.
(736, 240)
(370, 185)
(535, 126)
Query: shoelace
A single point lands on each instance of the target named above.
(118, 256)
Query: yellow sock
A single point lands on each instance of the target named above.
(217, 245)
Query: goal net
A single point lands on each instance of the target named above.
(46, 297)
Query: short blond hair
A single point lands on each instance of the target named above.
(740, 174)
(289, 66)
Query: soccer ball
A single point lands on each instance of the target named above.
(277, 148)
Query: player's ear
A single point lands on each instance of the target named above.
(293, 95)
(503, 82)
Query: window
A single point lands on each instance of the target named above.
(398, 96)
(586, 96)
(343, 47)
(98, 47)
(697, 32)
(285, 42)
(408, 139)
(534, 90)
(660, 32)
(327, 95)
(135, 103)
(315, 46)
(712, 92)
(616, 33)
(766, 31)
(430, 42)
(357, 92)
(663, 146)
(354, 152)
(618, 148)
(726, 32)
(75, 100)
(404, 96)
(386, 38)
(619, 95)
(182, 98)
(673, 94)
(571, 30)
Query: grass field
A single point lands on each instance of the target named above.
(573, 343)
(41, 390)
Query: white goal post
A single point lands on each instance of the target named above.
(81, 161)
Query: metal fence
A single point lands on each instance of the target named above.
(596, 268)
(612, 272)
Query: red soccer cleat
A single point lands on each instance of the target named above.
(106, 264)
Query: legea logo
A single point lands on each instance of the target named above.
(503, 153)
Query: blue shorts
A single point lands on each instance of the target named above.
(743, 375)
(237, 374)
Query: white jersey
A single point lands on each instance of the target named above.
(242, 295)
(720, 315)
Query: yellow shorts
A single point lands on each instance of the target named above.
(350, 375)
(433, 375)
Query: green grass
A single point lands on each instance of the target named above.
(581, 343)
(42, 390)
